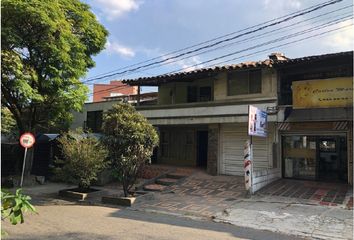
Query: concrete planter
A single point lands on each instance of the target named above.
(122, 201)
(76, 194)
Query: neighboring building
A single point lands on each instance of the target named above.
(114, 88)
(149, 98)
(202, 117)
(91, 116)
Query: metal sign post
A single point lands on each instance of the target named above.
(26, 140)
(23, 167)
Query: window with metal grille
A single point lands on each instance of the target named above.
(244, 82)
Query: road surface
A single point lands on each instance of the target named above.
(97, 222)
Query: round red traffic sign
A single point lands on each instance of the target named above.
(27, 140)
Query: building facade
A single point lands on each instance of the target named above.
(202, 118)
(113, 89)
(316, 101)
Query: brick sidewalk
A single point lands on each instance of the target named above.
(327, 194)
(199, 194)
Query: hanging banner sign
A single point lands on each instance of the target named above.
(257, 122)
(247, 165)
(324, 93)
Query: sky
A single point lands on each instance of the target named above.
(140, 30)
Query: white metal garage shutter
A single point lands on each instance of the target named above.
(233, 138)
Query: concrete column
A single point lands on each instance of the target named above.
(350, 153)
(213, 149)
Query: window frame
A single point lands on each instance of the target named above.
(97, 121)
(231, 79)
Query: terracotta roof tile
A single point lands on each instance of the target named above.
(156, 80)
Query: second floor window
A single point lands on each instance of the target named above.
(94, 121)
(192, 94)
(244, 82)
(204, 94)
(199, 94)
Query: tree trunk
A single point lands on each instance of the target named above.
(125, 187)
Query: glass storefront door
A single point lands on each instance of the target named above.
(315, 157)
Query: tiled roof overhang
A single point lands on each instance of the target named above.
(310, 59)
(212, 71)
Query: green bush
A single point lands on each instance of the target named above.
(83, 157)
(13, 207)
(130, 140)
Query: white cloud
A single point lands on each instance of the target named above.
(185, 64)
(116, 8)
(188, 64)
(341, 40)
(114, 47)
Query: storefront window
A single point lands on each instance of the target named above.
(299, 154)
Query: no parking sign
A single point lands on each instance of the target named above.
(26, 140)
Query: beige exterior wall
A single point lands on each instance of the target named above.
(80, 117)
(175, 93)
(269, 87)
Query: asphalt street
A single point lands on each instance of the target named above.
(97, 222)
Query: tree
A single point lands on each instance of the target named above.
(83, 158)
(46, 48)
(130, 140)
(8, 123)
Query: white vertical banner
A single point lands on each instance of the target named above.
(257, 122)
(247, 152)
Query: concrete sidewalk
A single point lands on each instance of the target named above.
(289, 217)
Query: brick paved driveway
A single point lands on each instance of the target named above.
(203, 195)
(329, 194)
(199, 194)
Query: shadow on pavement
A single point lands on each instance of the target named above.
(239, 232)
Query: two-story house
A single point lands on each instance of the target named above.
(202, 115)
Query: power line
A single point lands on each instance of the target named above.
(242, 41)
(267, 43)
(285, 44)
(211, 40)
(282, 45)
(250, 48)
(293, 16)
